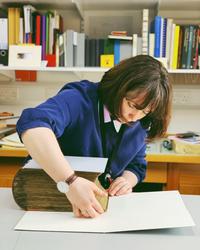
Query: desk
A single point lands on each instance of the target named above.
(165, 239)
(174, 171)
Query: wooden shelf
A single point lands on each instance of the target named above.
(151, 157)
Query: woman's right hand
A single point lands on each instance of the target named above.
(81, 194)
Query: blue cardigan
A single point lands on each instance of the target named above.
(73, 116)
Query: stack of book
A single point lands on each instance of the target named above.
(11, 141)
(6, 129)
(186, 143)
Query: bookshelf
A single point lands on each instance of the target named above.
(97, 18)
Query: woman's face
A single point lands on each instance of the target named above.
(130, 109)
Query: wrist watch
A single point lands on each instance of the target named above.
(63, 186)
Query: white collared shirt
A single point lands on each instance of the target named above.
(107, 118)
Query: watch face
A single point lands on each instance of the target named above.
(63, 187)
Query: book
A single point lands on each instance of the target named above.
(61, 50)
(119, 33)
(79, 57)
(193, 62)
(11, 26)
(145, 31)
(43, 34)
(151, 44)
(4, 41)
(164, 37)
(190, 39)
(92, 52)
(134, 44)
(69, 53)
(186, 145)
(168, 39)
(120, 37)
(176, 44)
(38, 30)
(116, 52)
(125, 49)
(157, 30)
(185, 47)
(34, 190)
(180, 45)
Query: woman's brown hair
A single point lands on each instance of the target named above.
(140, 74)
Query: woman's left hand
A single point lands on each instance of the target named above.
(123, 184)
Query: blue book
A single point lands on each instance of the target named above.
(164, 37)
(157, 31)
(116, 51)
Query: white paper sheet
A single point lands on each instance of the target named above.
(135, 211)
(86, 164)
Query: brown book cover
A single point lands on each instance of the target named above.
(34, 190)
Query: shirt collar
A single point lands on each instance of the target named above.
(107, 118)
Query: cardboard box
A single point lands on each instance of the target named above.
(25, 55)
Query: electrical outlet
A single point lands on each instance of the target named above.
(8, 94)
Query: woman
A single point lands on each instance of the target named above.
(112, 118)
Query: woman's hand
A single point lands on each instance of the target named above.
(81, 194)
(123, 184)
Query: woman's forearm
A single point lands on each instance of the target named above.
(43, 147)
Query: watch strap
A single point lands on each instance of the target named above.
(71, 179)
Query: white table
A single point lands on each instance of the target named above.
(165, 239)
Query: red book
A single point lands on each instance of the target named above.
(38, 30)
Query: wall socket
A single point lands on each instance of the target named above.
(186, 97)
(8, 94)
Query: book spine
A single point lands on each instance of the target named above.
(135, 45)
(168, 41)
(43, 37)
(185, 47)
(180, 45)
(151, 44)
(189, 55)
(157, 29)
(194, 42)
(38, 30)
(176, 40)
(164, 37)
(145, 31)
(116, 51)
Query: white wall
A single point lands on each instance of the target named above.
(184, 117)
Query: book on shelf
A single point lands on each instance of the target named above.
(145, 31)
(151, 44)
(3, 40)
(120, 37)
(71, 48)
(175, 47)
(119, 33)
(168, 38)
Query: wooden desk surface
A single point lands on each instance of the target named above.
(151, 157)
